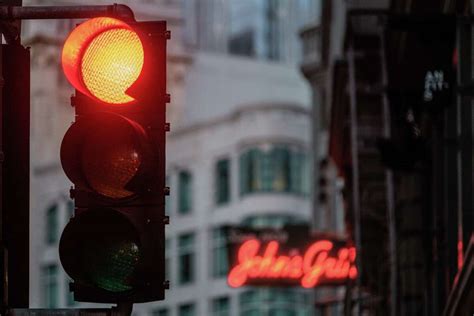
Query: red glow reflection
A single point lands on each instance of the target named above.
(460, 254)
(310, 269)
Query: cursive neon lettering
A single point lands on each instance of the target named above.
(315, 266)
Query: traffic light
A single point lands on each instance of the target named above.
(114, 153)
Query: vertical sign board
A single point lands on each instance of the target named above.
(421, 80)
(14, 74)
(290, 256)
(426, 75)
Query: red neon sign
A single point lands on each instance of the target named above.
(315, 267)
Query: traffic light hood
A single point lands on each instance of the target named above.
(115, 163)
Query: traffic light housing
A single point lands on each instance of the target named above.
(114, 153)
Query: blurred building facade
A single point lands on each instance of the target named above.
(239, 151)
(400, 139)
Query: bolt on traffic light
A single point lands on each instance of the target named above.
(114, 153)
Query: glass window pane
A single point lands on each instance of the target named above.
(222, 181)
(186, 258)
(184, 192)
(247, 296)
(50, 286)
(69, 295)
(243, 173)
(265, 170)
(281, 169)
(221, 306)
(306, 176)
(69, 210)
(167, 259)
(282, 312)
(296, 172)
(187, 310)
(271, 221)
(250, 302)
(254, 171)
(160, 312)
(52, 225)
(219, 254)
(167, 197)
(275, 301)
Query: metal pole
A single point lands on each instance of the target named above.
(9, 13)
(392, 232)
(465, 134)
(65, 12)
(355, 174)
(16, 170)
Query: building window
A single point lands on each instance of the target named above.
(186, 258)
(168, 259)
(220, 306)
(50, 286)
(275, 301)
(167, 197)
(184, 192)
(220, 264)
(52, 225)
(161, 312)
(272, 221)
(69, 209)
(222, 181)
(69, 295)
(279, 169)
(273, 32)
(186, 310)
(242, 43)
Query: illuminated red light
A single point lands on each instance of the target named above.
(102, 58)
(314, 267)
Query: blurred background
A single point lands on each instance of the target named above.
(326, 113)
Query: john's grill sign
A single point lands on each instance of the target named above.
(286, 257)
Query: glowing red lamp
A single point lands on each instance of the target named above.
(102, 58)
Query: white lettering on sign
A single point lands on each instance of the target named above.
(434, 81)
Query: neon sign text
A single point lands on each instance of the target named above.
(313, 268)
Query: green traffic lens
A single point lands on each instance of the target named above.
(112, 264)
(100, 248)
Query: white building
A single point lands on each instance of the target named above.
(238, 151)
